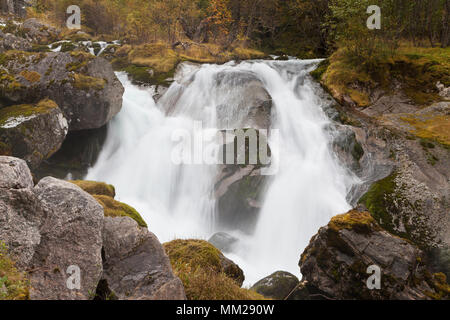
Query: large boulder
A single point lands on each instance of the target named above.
(246, 102)
(32, 132)
(71, 235)
(84, 86)
(20, 210)
(39, 32)
(135, 264)
(335, 263)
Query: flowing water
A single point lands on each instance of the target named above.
(177, 201)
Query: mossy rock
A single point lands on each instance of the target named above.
(380, 199)
(200, 267)
(113, 208)
(96, 188)
(25, 110)
(320, 70)
(361, 222)
(276, 286)
(195, 253)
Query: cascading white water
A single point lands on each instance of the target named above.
(178, 201)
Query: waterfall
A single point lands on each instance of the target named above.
(178, 201)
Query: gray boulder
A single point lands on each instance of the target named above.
(135, 264)
(33, 132)
(84, 87)
(40, 32)
(71, 235)
(20, 211)
(14, 174)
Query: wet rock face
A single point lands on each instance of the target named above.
(135, 264)
(39, 32)
(79, 152)
(335, 262)
(84, 87)
(33, 132)
(247, 97)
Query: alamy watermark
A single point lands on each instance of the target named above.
(374, 281)
(74, 20)
(73, 282)
(230, 147)
(374, 21)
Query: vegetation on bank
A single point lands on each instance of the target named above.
(198, 264)
(416, 70)
(14, 285)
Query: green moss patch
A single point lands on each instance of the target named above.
(113, 208)
(26, 110)
(82, 82)
(380, 199)
(361, 222)
(96, 188)
(14, 285)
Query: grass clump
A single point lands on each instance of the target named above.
(198, 264)
(97, 188)
(361, 222)
(14, 285)
(113, 208)
(104, 194)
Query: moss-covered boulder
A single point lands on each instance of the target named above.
(335, 263)
(33, 132)
(84, 87)
(205, 272)
(279, 285)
